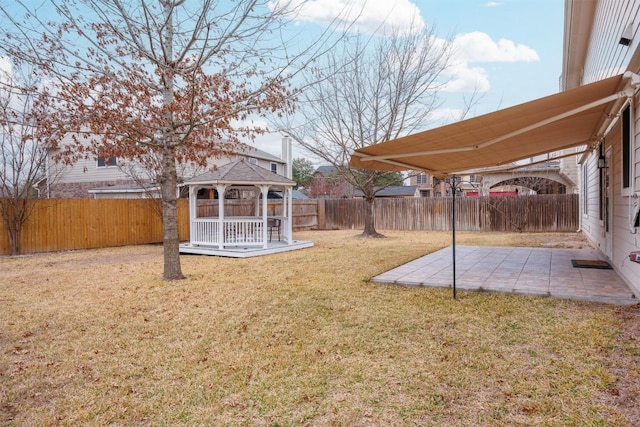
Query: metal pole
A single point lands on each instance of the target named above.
(453, 228)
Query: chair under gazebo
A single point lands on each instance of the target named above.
(254, 228)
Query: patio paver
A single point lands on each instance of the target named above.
(528, 271)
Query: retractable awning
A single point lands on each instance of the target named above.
(568, 119)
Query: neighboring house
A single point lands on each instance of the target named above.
(602, 40)
(328, 184)
(537, 176)
(466, 185)
(423, 182)
(116, 178)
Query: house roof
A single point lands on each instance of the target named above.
(251, 151)
(240, 173)
(325, 170)
(572, 118)
(298, 195)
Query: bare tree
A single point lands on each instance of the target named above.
(23, 156)
(371, 91)
(166, 79)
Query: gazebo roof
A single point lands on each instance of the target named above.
(240, 173)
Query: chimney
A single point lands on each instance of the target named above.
(286, 156)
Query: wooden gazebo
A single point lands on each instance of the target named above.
(215, 229)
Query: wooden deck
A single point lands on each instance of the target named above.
(246, 251)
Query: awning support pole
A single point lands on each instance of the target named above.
(453, 229)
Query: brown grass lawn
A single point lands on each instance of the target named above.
(301, 338)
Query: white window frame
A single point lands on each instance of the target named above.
(585, 190)
(627, 191)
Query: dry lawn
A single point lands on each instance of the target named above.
(301, 338)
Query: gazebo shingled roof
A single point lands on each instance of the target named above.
(240, 172)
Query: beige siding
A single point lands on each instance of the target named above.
(88, 171)
(625, 240)
(606, 57)
(591, 223)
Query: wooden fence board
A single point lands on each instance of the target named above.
(542, 213)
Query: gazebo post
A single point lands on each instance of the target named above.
(220, 188)
(265, 194)
(256, 202)
(289, 215)
(193, 213)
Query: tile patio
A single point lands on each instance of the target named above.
(527, 271)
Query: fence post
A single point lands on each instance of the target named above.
(322, 221)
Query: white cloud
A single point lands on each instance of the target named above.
(479, 47)
(467, 79)
(441, 116)
(369, 16)
(493, 4)
(474, 47)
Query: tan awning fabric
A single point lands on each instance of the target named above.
(564, 120)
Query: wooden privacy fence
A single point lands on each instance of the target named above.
(305, 212)
(66, 224)
(541, 213)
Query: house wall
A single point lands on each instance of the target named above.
(605, 57)
(74, 181)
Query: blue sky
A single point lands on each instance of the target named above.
(512, 49)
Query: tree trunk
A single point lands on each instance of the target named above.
(370, 219)
(15, 238)
(12, 219)
(171, 241)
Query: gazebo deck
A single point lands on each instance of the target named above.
(241, 251)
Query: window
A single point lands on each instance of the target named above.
(472, 178)
(421, 179)
(626, 149)
(253, 161)
(274, 167)
(105, 162)
(436, 181)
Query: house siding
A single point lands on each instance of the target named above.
(625, 240)
(606, 57)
